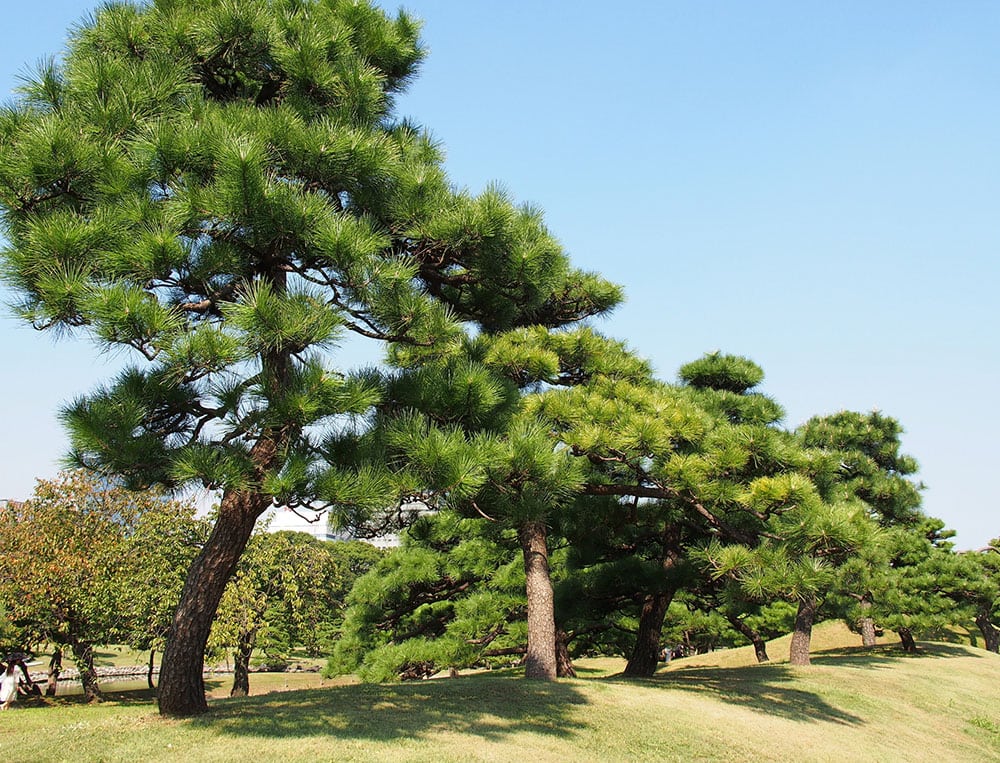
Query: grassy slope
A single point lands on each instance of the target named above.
(938, 705)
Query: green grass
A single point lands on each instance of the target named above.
(850, 705)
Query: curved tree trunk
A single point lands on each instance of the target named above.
(991, 634)
(564, 665)
(55, 668)
(241, 665)
(759, 646)
(182, 685)
(646, 653)
(906, 639)
(150, 667)
(541, 657)
(83, 656)
(799, 652)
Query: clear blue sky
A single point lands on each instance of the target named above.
(814, 185)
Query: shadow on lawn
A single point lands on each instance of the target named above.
(488, 707)
(768, 689)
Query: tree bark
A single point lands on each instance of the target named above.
(906, 639)
(991, 634)
(241, 665)
(83, 656)
(564, 665)
(802, 635)
(759, 646)
(645, 655)
(55, 668)
(866, 625)
(149, 669)
(540, 661)
(182, 684)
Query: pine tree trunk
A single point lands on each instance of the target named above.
(182, 685)
(645, 655)
(991, 634)
(149, 669)
(759, 646)
(866, 624)
(541, 657)
(83, 656)
(241, 665)
(802, 635)
(564, 665)
(906, 639)
(55, 668)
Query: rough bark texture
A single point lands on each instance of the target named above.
(802, 635)
(540, 661)
(906, 639)
(759, 646)
(564, 665)
(83, 656)
(55, 668)
(182, 685)
(866, 625)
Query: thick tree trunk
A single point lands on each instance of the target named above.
(564, 665)
(241, 665)
(991, 634)
(759, 646)
(55, 668)
(802, 635)
(540, 661)
(182, 685)
(149, 669)
(646, 653)
(83, 656)
(906, 639)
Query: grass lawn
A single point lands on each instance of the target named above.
(939, 705)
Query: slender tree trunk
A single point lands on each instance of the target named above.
(83, 656)
(55, 668)
(991, 634)
(241, 665)
(865, 623)
(541, 656)
(759, 646)
(802, 635)
(182, 685)
(149, 669)
(564, 665)
(906, 639)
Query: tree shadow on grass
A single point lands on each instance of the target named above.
(770, 689)
(489, 707)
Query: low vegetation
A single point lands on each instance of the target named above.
(850, 705)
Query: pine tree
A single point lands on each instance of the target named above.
(224, 190)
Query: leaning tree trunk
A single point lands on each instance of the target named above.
(564, 665)
(802, 635)
(540, 661)
(55, 668)
(83, 656)
(906, 639)
(645, 655)
(182, 684)
(991, 634)
(149, 669)
(759, 646)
